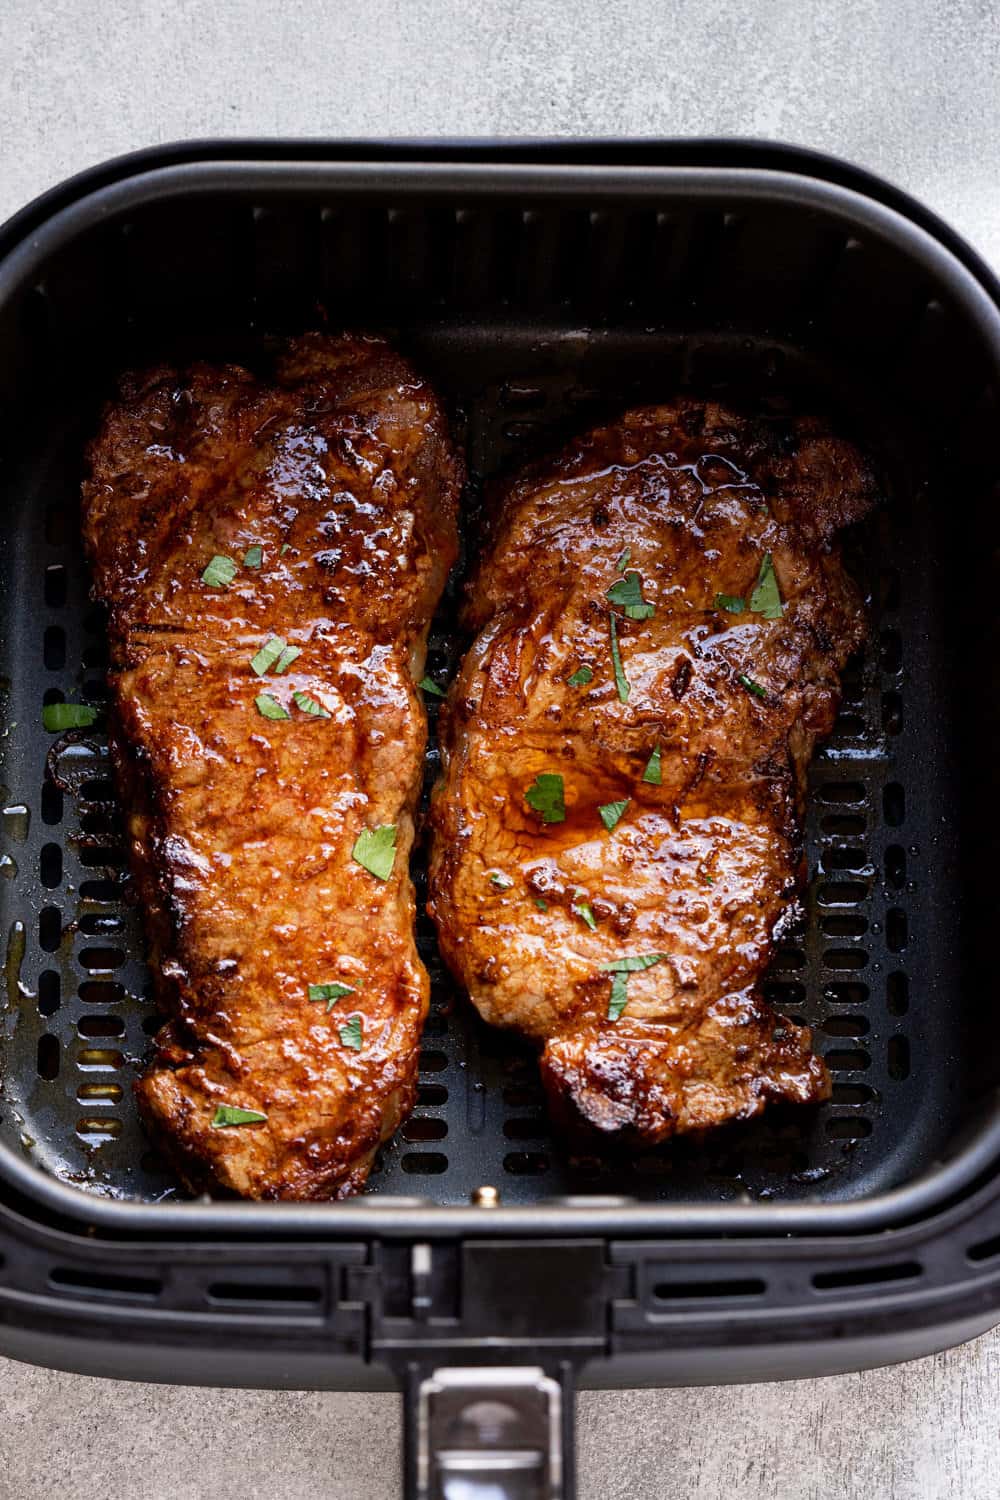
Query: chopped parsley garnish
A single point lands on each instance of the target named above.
(350, 1034)
(546, 797)
(331, 993)
(431, 687)
(309, 705)
(622, 562)
(375, 850)
(765, 599)
(501, 881)
(285, 547)
(286, 658)
(621, 681)
(633, 963)
(231, 1114)
(253, 557)
(732, 603)
(611, 813)
(653, 773)
(542, 905)
(270, 708)
(59, 716)
(583, 911)
(706, 878)
(627, 592)
(618, 999)
(580, 677)
(751, 686)
(619, 970)
(220, 572)
(268, 655)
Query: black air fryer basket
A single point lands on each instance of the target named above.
(540, 287)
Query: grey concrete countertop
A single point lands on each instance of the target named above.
(909, 88)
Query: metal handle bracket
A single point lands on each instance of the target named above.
(490, 1434)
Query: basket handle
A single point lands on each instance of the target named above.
(483, 1433)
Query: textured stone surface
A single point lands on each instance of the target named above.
(910, 88)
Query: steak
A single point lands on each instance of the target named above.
(270, 554)
(662, 615)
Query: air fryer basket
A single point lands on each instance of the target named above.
(540, 292)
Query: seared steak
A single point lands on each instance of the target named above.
(270, 554)
(662, 614)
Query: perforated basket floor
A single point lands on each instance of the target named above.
(871, 969)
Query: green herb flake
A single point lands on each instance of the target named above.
(706, 878)
(751, 686)
(270, 708)
(634, 963)
(431, 687)
(375, 850)
(618, 999)
(619, 970)
(546, 796)
(731, 603)
(501, 881)
(220, 572)
(542, 905)
(765, 599)
(331, 993)
(653, 774)
(253, 557)
(623, 560)
(612, 813)
(627, 593)
(59, 716)
(580, 677)
(267, 655)
(309, 705)
(583, 911)
(621, 681)
(285, 659)
(350, 1034)
(230, 1114)
(285, 547)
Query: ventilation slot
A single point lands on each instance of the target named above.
(49, 929)
(105, 1284)
(897, 994)
(96, 1130)
(423, 1128)
(257, 1294)
(101, 992)
(52, 804)
(848, 1062)
(894, 804)
(424, 1163)
(687, 1291)
(55, 586)
(525, 1129)
(49, 991)
(899, 1058)
(848, 1128)
(48, 1057)
(985, 1250)
(831, 1281)
(845, 958)
(526, 1163)
(845, 1026)
(101, 1026)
